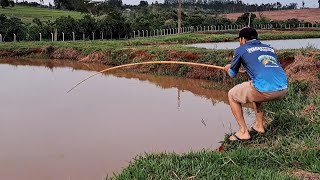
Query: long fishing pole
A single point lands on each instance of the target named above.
(143, 63)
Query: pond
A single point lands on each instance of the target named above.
(98, 128)
(277, 44)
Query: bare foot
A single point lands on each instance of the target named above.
(239, 136)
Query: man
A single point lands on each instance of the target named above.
(268, 81)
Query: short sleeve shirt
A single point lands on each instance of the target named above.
(261, 63)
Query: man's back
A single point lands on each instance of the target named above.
(261, 63)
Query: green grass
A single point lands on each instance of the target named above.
(291, 142)
(27, 14)
(176, 42)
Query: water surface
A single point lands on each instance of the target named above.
(100, 127)
(277, 44)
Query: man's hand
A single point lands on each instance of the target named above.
(227, 67)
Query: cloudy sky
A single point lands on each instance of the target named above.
(309, 3)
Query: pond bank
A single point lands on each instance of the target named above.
(290, 145)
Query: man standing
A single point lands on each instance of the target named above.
(268, 81)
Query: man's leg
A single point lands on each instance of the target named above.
(236, 108)
(259, 124)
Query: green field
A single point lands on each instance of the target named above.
(27, 14)
(161, 43)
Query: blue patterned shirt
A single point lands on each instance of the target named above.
(261, 63)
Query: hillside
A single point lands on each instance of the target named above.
(26, 14)
(307, 15)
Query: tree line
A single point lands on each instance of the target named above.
(115, 20)
(116, 25)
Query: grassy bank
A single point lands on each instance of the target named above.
(288, 149)
(27, 14)
(290, 145)
(145, 43)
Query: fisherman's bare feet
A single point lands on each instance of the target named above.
(240, 136)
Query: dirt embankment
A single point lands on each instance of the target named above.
(299, 66)
(307, 15)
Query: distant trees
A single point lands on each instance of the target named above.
(244, 18)
(6, 3)
(10, 26)
(143, 3)
(111, 19)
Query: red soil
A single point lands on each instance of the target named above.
(307, 15)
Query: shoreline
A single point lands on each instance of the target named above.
(290, 146)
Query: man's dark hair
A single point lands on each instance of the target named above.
(248, 33)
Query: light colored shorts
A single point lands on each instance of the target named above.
(245, 93)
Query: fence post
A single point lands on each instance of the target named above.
(55, 34)
(40, 36)
(14, 37)
(62, 36)
(142, 33)
(102, 37)
(0, 38)
(147, 33)
(92, 36)
(52, 37)
(73, 36)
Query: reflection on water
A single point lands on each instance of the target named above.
(277, 44)
(101, 126)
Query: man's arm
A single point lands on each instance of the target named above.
(233, 68)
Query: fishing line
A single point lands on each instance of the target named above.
(144, 63)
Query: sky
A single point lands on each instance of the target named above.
(308, 3)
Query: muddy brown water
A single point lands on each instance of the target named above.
(100, 127)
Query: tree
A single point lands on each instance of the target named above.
(244, 18)
(10, 26)
(115, 3)
(303, 3)
(66, 25)
(279, 5)
(5, 3)
(143, 3)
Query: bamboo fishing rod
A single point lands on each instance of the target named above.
(144, 63)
